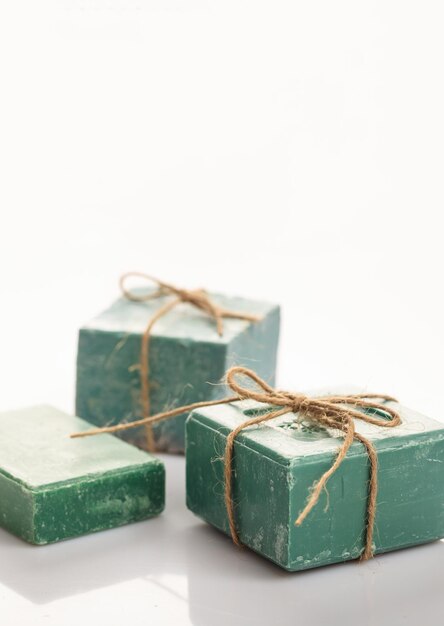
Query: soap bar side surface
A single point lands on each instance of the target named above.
(256, 347)
(111, 500)
(260, 490)
(108, 381)
(16, 508)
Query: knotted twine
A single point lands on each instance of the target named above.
(198, 298)
(335, 412)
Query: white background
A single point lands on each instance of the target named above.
(291, 151)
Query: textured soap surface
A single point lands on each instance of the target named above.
(275, 465)
(187, 361)
(53, 487)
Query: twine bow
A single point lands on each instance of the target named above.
(198, 298)
(336, 412)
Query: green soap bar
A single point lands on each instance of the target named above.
(276, 464)
(53, 487)
(186, 354)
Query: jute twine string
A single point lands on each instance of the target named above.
(199, 298)
(336, 412)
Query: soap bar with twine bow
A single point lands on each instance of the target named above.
(160, 346)
(312, 480)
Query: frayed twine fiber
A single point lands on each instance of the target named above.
(337, 412)
(200, 299)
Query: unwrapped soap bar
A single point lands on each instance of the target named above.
(187, 359)
(53, 487)
(276, 464)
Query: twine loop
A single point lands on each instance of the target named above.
(266, 393)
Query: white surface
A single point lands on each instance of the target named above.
(281, 150)
(291, 151)
(176, 570)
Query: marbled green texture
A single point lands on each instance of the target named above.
(53, 487)
(276, 464)
(187, 361)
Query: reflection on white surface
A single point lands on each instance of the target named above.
(177, 570)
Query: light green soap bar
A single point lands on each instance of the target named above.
(276, 464)
(53, 487)
(187, 361)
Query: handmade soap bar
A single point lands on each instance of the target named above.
(53, 487)
(276, 464)
(187, 361)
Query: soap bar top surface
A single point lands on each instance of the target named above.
(183, 322)
(37, 450)
(286, 438)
